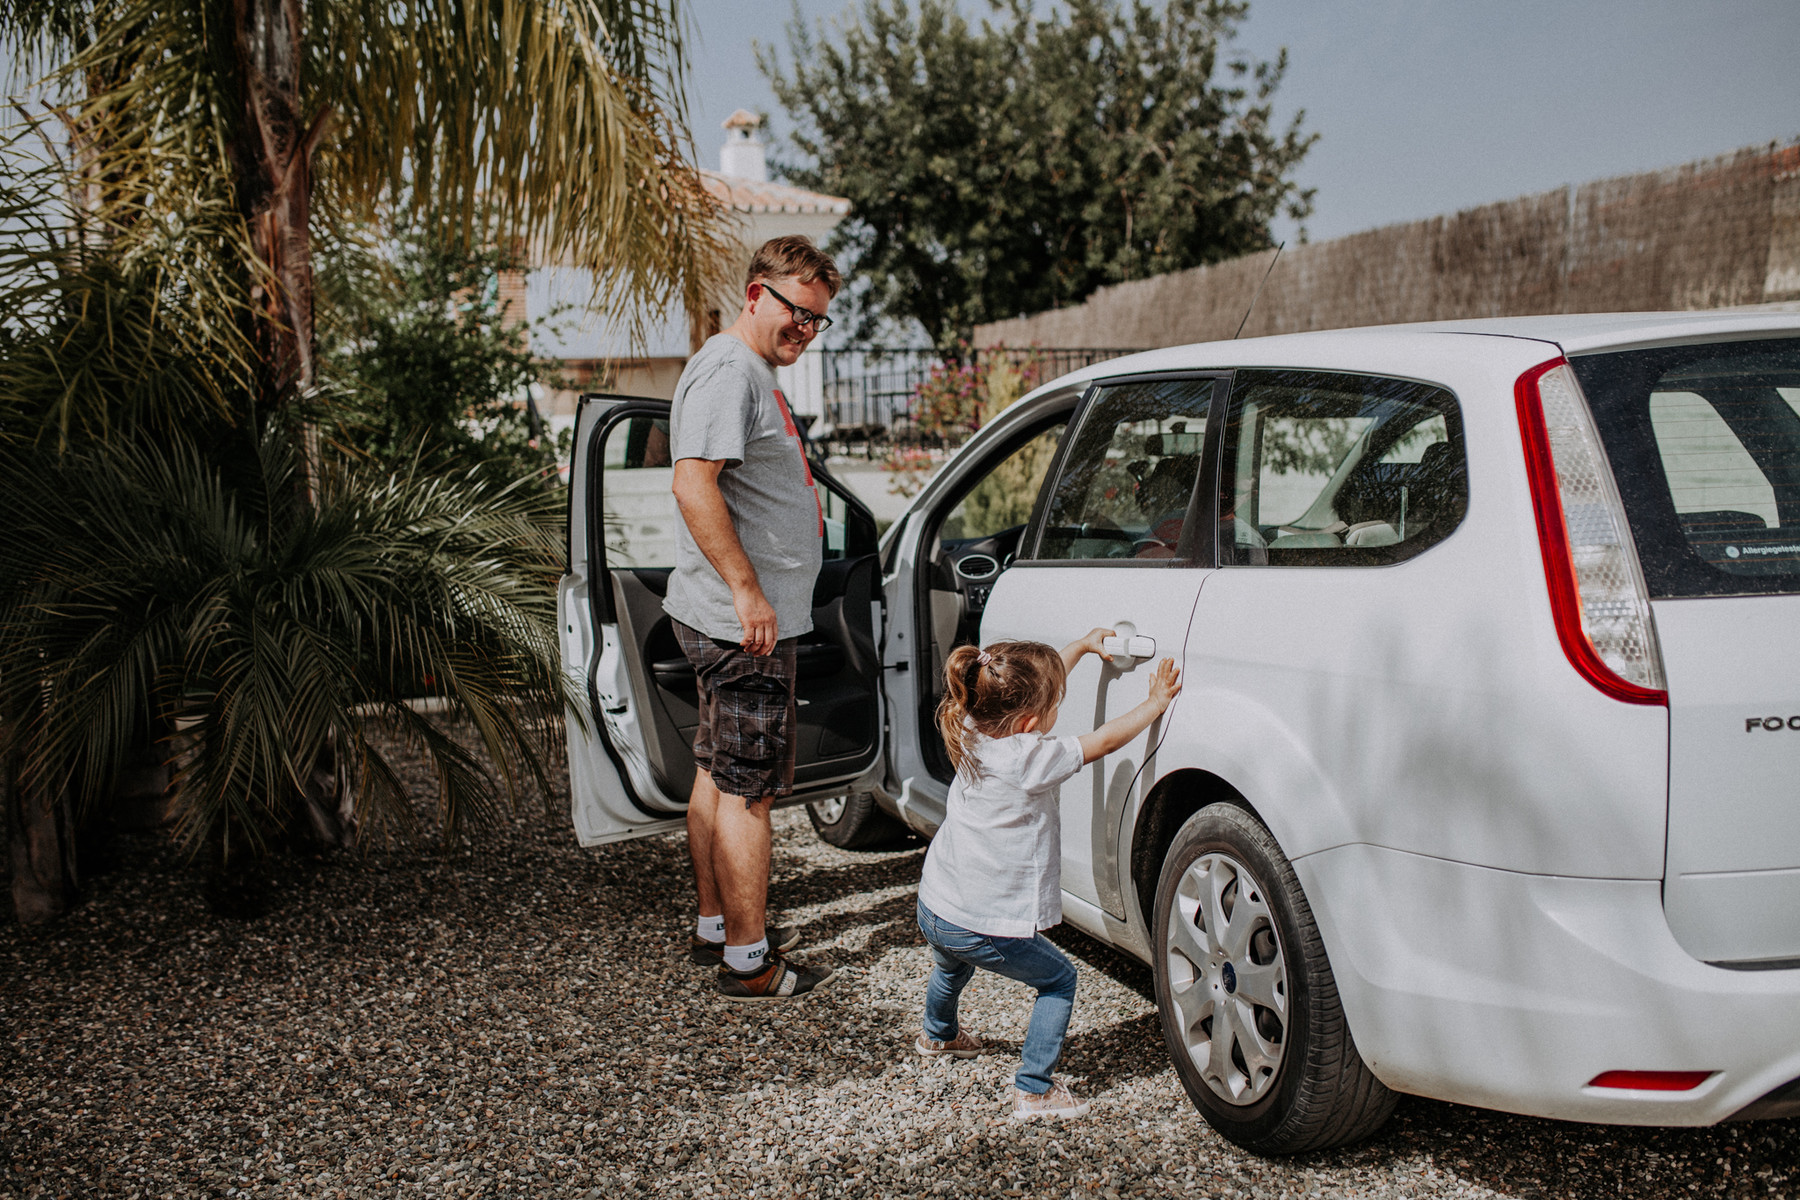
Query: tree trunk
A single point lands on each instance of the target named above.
(273, 161)
(41, 830)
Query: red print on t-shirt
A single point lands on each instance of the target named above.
(793, 431)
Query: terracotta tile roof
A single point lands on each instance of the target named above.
(749, 195)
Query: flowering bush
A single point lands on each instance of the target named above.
(947, 404)
(963, 394)
(910, 467)
(956, 399)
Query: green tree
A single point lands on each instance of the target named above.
(420, 361)
(185, 558)
(1017, 165)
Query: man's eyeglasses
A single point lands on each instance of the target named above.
(803, 317)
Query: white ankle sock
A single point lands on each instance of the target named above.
(744, 959)
(710, 929)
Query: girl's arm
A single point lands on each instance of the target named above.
(1088, 643)
(1165, 685)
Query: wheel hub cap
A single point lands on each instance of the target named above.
(1228, 978)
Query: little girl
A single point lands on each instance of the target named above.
(993, 875)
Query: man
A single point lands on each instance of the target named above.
(746, 557)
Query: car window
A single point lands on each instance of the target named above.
(638, 515)
(1705, 461)
(1704, 442)
(1005, 496)
(1127, 487)
(1322, 469)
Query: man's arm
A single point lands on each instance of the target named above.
(702, 506)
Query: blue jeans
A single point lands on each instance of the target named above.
(956, 952)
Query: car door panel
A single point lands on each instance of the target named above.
(980, 504)
(1152, 603)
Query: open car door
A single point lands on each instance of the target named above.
(631, 761)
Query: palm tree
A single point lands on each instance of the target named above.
(553, 124)
(156, 363)
(145, 579)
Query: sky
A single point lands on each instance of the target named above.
(1431, 106)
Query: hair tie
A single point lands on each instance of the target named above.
(983, 658)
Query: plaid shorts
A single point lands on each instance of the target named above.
(747, 714)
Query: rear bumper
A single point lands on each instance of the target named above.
(1513, 991)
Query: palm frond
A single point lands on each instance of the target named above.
(562, 119)
(123, 275)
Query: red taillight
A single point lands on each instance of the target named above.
(1651, 1081)
(1596, 594)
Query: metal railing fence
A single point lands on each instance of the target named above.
(869, 393)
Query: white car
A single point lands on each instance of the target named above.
(1485, 781)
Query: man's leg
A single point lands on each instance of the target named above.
(702, 830)
(740, 863)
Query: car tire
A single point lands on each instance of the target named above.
(1234, 938)
(856, 823)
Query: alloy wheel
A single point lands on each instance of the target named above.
(1228, 978)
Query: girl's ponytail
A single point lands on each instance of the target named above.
(962, 671)
(987, 691)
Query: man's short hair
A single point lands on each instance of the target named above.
(794, 256)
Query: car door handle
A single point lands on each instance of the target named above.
(1136, 647)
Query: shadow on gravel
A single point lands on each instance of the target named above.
(1566, 1160)
(891, 924)
(1116, 1054)
(821, 886)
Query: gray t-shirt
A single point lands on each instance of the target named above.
(728, 409)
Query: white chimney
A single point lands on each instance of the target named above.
(742, 157)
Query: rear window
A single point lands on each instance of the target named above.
(1705, 446)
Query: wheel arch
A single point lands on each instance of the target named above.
(1176, 797)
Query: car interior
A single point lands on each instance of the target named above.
(838, 662)
(975, 539)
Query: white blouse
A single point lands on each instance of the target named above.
(995, 867)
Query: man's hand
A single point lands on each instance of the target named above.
(757, 616)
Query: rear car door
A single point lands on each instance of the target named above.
(631, 764)
(1704, 442)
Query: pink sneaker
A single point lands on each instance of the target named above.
(1059, 1101)
(963, 1045)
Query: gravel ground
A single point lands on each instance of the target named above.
(517, 1022)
